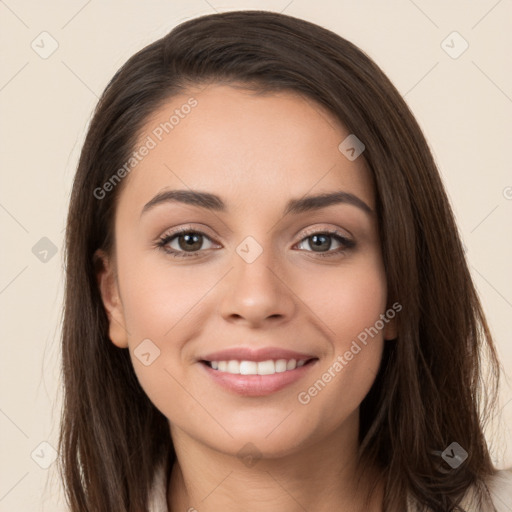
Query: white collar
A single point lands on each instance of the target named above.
(158, 493)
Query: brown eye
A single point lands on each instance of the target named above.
(190, 241)
(184, 241)
(321, 243)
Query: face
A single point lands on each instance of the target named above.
(253, 272)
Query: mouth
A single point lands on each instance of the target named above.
(247, 367)
(250, 378)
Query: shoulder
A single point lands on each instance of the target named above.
(499, 486)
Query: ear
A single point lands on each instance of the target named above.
(109, 290)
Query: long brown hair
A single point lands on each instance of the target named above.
(430, 388)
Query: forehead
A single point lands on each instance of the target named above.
(242, 145)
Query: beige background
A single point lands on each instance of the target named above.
(463, 104)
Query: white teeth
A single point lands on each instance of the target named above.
(233, 367)
(257, 368)
(281, 365)
(248, 367)
(266, 367)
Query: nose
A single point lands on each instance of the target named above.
(256, 293)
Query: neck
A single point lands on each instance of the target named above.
(320, 477)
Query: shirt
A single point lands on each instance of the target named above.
(500, 488)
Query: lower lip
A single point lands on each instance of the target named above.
(257, 385)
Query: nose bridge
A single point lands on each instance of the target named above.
(255, 266)
(255, 288)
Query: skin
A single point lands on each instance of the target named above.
(256, 152)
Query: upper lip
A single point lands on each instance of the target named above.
(251, 354)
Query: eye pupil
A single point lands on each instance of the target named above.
(320, 240)
(192, 241)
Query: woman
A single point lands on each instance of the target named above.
(267, 301)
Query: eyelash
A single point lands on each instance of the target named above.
(167, 238)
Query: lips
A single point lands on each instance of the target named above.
(252, 372)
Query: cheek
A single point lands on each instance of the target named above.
(158, 298)
(350, 305)
(348, 300)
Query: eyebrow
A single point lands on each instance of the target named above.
(294, 206)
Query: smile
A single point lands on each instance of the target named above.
(269, 367)
(256, 373)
